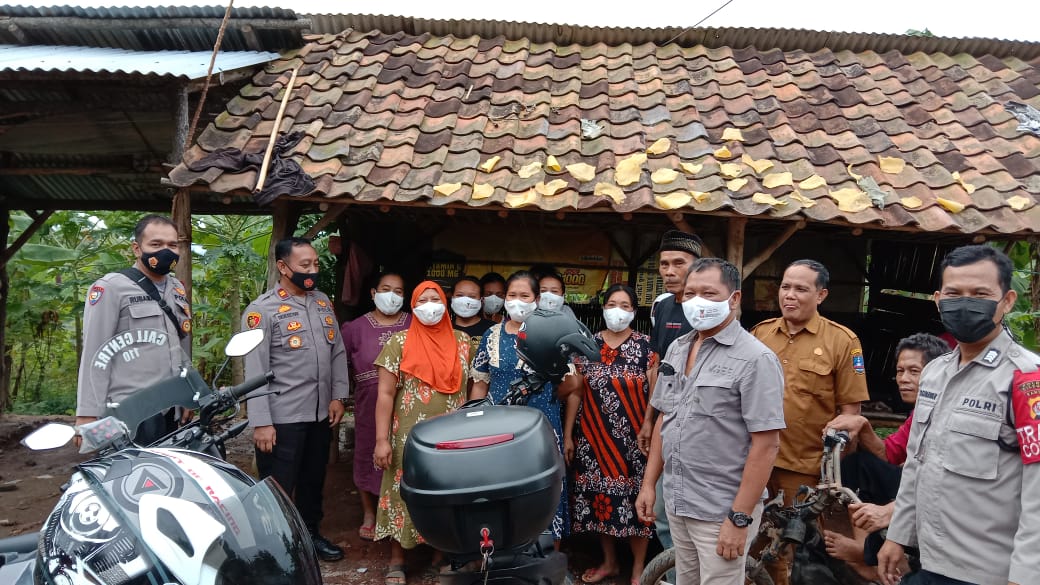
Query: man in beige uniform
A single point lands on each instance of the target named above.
(130, 341)
(824, 375)
(969, 498)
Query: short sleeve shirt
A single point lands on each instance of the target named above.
(735, 388)
(823, 369)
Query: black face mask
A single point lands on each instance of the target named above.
(304, 280)
(968, 319)
(161, 262)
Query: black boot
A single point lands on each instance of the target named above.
(326, 550)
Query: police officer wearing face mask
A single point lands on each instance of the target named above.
(968, 499)
(136, 329)
(292, 417)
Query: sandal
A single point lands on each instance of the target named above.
(367, 532)
(395, 575)
(434, 571)
(596, 575)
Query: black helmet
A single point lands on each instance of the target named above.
(548, 340)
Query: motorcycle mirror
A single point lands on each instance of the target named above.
(49, 436)
(244, 342)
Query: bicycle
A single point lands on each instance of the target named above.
(783, 526)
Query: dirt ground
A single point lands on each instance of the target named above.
(30, 481)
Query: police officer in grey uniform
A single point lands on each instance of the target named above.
(130, 341)
(969, 499)
(292, 417)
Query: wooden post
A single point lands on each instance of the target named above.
(5, 362)
(181, 211)
(735, 242)
(765, 254)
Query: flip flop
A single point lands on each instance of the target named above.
(596, 575)
(395, 575)
(367, 532)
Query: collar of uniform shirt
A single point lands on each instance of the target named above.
(999, 345)
(728, 335)
(812, 326)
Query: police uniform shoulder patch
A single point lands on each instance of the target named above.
(322, 303)
(293, 326)
(253, 320)
(1025, 400)
(178, 290)
(95, 294)
(329, 320)
(282, 293)
(186, 326)
(991, 356)
(284, 308)
(295, 342)
(331, 334)
(858, 365)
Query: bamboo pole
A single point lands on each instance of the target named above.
(274, 131)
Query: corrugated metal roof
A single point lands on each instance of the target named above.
(714, 37)
(184, 64)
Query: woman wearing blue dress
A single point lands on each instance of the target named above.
(496, 366)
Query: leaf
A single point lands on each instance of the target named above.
(482, 190)
(730, 170)
(723, 154)
(660, 146)
(911, 202)
(950, 205)
(805, 201)
(1018, 202)
(891, 165)
(673, 200)
(664, 176)
(552, 164)
(852, 174)
(813, 182)
(736, 184)
(732, 134)
(760, 166)
(489, 165)
(551, 188)
(700, 196)
(777, 180)
(851, 200)
(447, 189)
(690, 168)
(629, 169)
(529, 170)
(582, 172)
(967, 186)
(767, 199)
(46, 254)
(608, 190)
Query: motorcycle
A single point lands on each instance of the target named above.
(173, 512)
(482, 484)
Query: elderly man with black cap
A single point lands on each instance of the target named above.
(677, 253)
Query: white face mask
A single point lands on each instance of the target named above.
(388, 302)
(465, 307)
(492, 304)
(519, 310)
(548, 301)
(704, 314)
(429, 313)
(617, 319)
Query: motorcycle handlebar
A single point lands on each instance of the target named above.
(237, 392)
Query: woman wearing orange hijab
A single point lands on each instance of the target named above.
(422, 374)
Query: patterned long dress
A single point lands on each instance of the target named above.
(608, 466)
(497, 364)
(364, 338)
(415, 402)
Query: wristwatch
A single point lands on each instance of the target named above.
(740, 519)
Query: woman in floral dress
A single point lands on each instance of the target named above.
(497, 365)
(363, 339)
(422, 374)
(607, 463)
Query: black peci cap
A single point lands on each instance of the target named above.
(676, 241)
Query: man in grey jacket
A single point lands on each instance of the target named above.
(292, 417)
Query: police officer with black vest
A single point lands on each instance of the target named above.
(136, 329)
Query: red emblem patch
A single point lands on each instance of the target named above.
(282, 294)
(293, 326)
(95, 294)
(295, 342)
(253, 320)
(153, 262)
(308, 283)
(284, 309)
(329, 320)
(1025, 398)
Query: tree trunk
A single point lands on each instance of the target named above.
(238, 366)
(21, 371)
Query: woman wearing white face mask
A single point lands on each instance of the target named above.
(493, 295)
(423, 373)
(552, 294)
(604, 454)
(466, 305)
(497, 365)
(364, 338)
